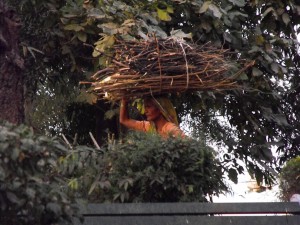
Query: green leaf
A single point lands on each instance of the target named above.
(109, 28)
(243, 76)
(96, 13)
(74, 27)
(82, 36)
(87, 97)
(233, 14)
(216, 11)
(289, 62)
(126, 185)
(12, 197)
(233, 175)
(180, 34)
(122, 197)
(70, 15)
(103, 61)
(73, 184)
(256, 72)
(30, 192)
(65, 50)
(298, 9)
(259, 176)
(204, 7)
(55, 208)
(259, 39)
(15, 153)
(268, 10)
(267, 153)
(2, 172)
(239, 3)
(94, 184)
(4, 146)
(110, 114)
(275, 67)
(103, 44)
(286, 18)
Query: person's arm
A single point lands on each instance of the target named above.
(172, 129)
(124, 117)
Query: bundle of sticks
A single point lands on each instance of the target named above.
(158, 66)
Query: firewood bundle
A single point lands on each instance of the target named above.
(141, 68)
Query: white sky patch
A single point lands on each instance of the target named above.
(243, 192)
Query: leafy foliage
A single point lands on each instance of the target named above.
(30, 188)
(76, 39)
(290, 179)
(147, 168)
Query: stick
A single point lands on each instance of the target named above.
(94, 141)
(66, 140)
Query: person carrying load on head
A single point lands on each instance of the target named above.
(161, 117)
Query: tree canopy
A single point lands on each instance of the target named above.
(62, 43)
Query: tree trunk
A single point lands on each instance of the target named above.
(11, 67)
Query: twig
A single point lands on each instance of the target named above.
(162, 66)
(75, 139)
(158, 60)
(66, 140)
(94, 141)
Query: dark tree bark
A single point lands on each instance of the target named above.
(11, 67)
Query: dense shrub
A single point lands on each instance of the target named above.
(30, 188)
(290, 179)
(40, 178)
(146, 168)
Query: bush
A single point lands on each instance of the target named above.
(289, 180)
(146, 168)
(30, 188)
(40, 178)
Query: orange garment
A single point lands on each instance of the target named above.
(168, 129)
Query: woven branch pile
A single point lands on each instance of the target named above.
(162, 66)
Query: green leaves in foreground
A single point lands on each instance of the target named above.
(146, 168)
(30, 189)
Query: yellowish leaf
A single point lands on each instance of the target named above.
(204, 7)
(82, 36)
(104, 61)
(170, 9)
(139, 104)
(61, 160)
(163, 15)
(128, 23)
(74, 27)
(103, 44)
(259, 40)
(73, 184)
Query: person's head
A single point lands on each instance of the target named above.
(152, 110)
(160, 106)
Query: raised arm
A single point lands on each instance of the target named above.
(124, 117)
